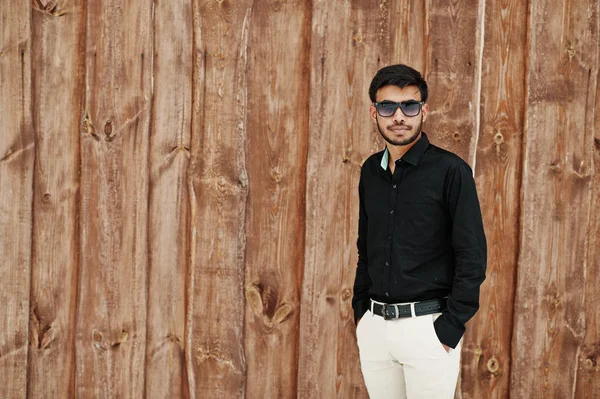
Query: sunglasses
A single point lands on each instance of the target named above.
(409, 108)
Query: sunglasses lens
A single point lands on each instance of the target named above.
(387, 109)
(411, 108)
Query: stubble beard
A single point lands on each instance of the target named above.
(405, 141)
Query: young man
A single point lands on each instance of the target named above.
(421, 249)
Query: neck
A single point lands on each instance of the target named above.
(398, 151)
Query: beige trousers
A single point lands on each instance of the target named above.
(404, 358)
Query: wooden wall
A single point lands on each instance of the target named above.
(178, 190)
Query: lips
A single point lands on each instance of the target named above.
(399, 129)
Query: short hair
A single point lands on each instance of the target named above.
(398, 75)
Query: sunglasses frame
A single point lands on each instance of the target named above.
(399, 105)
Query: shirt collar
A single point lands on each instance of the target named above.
(385, 159)
(413, 155)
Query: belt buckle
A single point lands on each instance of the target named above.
(385, 313)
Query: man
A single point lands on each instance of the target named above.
(421, 249)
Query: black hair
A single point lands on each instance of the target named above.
(398, 75)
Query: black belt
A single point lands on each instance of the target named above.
(390, 311)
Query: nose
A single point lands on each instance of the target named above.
(399, 116)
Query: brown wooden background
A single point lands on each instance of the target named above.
(178, 190)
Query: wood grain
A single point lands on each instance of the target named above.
(16, 181)
(178, 191)
(170, 142)
(350, 42)
(111, 307)
(485, 371)
(587, 384)
(218, 185)
(550, 322)
(453, 35)
(406, 33)
(57, 49)
(276, 148)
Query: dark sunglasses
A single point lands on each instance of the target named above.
(409, 108)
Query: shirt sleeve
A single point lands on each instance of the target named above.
(362, 282)
(470, 254)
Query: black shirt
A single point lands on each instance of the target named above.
(421, 236)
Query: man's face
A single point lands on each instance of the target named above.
(399, 129)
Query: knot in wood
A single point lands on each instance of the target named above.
(276, 175)
(498, 138)
(254, 299)
(589, 364)
(346, 294)
(88, 126)
(282, 313)
(571, 50)
(492, 365)
(97, 336)
(47, 337)
(456, 137)
(556, 166)
(108, 128)
(98, 340)
(122, 338)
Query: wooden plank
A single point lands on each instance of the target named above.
(587, 383)
(218, 188)
(485, 371)
(588, 358)
(451, 72)
(350, 42)
(550, 322)
(277, 144)
(407, 31)
(168, 200)
(57, 51)
(111, 306)
(16, 175)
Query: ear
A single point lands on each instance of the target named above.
(425, 111)
(373, 113)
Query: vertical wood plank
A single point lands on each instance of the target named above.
(57, 51)
(277, 144)
(550, 320)
(218, 186)
(168, 200)
(452, 59)
(406, 32)
(111, 308)
(588, 358)
(16, 175)
(350, 42)
(486, 349)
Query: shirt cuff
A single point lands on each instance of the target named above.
(360, 308)
(447, 333)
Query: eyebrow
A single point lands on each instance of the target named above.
(396, 102)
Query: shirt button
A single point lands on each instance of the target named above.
(394, 186)
(387, 263)
(389, 237)
(392, 212)
(387, 294)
